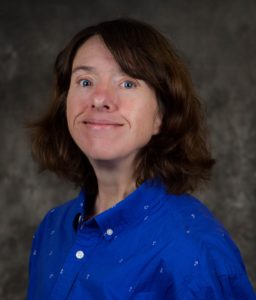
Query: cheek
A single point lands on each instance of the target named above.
(77, 103)
(69, 113)
(73, 107)
(149, 119)
(145, 126)
(72, 112)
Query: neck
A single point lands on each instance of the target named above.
(115, 182)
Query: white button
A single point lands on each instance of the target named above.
(80, 219)
(109, 231)
(79, 254)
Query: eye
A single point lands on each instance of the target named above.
(85, 82)
(128, 84)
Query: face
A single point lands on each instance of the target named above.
(110, 115)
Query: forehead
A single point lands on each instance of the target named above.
(93, 51)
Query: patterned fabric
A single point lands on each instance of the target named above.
(151, 245)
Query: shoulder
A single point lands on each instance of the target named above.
(59, 220)
(64, 213)
(193, 216)
(200, 236)
(201, 255)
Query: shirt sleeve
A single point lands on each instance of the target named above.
(224, 288)
(32, 263)
(33, 260)
(221, 276)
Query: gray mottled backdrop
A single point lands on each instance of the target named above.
(218, 41)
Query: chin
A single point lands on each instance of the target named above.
(110, 156)
(101, 155)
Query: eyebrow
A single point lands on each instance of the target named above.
(82, 68)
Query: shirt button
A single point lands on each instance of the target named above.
(79, 254)
(109, 231)
(80, 219)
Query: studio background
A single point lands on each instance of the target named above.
(216, 39)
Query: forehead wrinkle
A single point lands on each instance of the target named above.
(83, 68)
(90, 69)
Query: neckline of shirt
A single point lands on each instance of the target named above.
(136, 207)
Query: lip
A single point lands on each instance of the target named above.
(94, 123)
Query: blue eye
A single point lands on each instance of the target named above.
(85, 82)
(128, 84)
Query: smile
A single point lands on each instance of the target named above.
(101, 124)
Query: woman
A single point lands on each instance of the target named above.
(126, 126)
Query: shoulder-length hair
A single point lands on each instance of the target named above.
(178, 154)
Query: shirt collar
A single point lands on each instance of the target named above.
(136, 207)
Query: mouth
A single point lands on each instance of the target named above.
(102, 124)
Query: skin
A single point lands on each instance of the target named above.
(111, 116)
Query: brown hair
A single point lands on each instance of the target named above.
(178, 155)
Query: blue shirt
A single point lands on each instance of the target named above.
(151, 245)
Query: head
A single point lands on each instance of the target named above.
(110, 114)
(177, 151)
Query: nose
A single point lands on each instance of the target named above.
(103, 99)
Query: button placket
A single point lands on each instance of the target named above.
(76, 260)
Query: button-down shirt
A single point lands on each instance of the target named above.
(151, 245)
